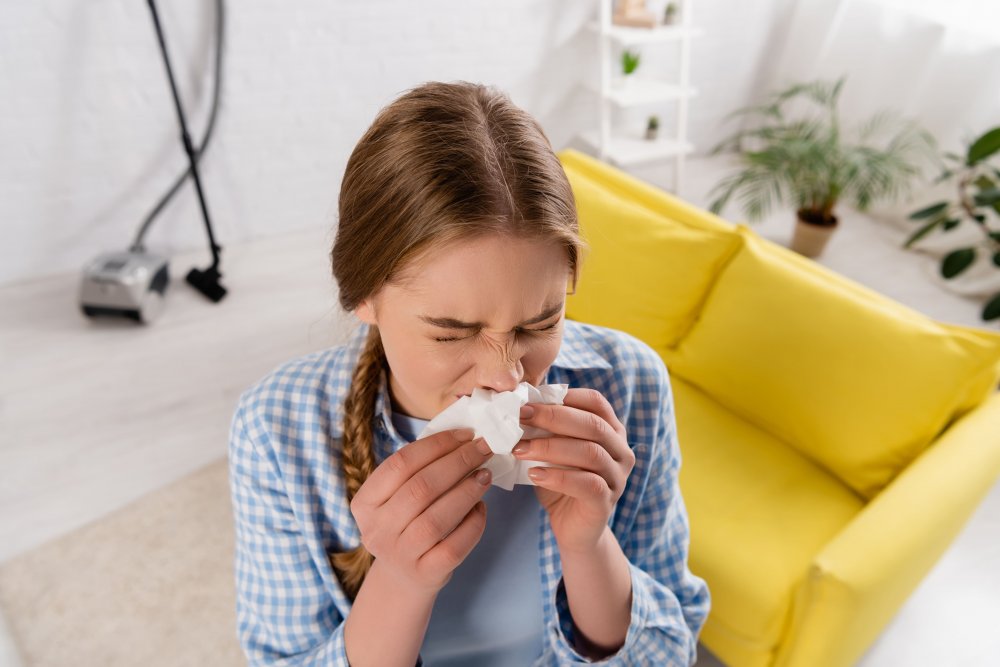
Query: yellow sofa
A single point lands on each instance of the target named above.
(834, 441)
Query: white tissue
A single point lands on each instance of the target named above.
(495, 416)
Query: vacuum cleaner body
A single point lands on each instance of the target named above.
(125, 284)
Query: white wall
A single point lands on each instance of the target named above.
(89, 139)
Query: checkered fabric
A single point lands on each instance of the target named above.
(291, 509)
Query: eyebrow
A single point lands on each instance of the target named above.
(452, 323)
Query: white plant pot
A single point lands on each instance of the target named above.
(623, 82)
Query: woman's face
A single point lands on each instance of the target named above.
(484, 313)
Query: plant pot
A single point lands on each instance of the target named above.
(811, 235)
(651, 133)
(622, 82)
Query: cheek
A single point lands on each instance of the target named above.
(539, 356)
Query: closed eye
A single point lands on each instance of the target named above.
(449, 339)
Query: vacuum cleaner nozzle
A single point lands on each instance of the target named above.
(207, 282)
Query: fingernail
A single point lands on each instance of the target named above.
(483, 477)
(483, 447)
(520, 448)
(465, 434)
(537, 474)
(527, 412)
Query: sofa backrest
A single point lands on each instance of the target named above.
(857, 382)
(650, 259)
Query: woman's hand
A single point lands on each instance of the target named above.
(586, 435)
(420, 512)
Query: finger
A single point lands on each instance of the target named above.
(406, 462)
(443, 516)
(582, 454)
(433, 481)
(587, 487)
(451, 551)
(594, 401)
(585, 416)
(571, 422)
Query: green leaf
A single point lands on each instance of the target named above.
(944, 176)
(992, 309)
(984, 182)
(922, 232)
(929, 211)
(984, 146)
(995, 236)
(957, 261)
(987, 197)
(979, 218)
(996, 258)
(951, 224)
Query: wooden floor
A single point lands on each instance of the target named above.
(95, 414)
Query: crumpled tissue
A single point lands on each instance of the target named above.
(495, 416)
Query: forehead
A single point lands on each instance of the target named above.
(502, 271)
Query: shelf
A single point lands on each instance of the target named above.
(661, 33)
(628, 148)
(639, 92)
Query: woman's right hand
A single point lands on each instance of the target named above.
(421, 512)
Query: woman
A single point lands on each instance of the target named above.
(356, 541)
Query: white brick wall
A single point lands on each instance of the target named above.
(89, 139)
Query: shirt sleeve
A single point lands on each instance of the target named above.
(669, 603)
(284, 614)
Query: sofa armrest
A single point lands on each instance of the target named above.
(861, 578)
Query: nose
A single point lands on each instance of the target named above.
(500, 368)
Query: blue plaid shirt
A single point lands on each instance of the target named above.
(291, 509)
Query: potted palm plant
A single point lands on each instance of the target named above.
(810, 162)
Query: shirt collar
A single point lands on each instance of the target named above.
(575, 351)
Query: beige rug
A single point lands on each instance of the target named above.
(150, 584)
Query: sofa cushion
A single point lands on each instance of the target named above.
(644, 272)
(759, 513)
(624, 185)
(858, 382)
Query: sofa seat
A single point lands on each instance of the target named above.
(759, 513)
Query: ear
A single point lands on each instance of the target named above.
(366, 312)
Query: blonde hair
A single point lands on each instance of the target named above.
(443, 162)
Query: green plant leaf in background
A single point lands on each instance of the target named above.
(923, 231)
(992, 309)
(957, 261)
(984, 146)
(987, 197)
(933, 209)
(630, 61)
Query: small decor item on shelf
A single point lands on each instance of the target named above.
(630, 61)
(670, 14)
(652, 127)
(976, 198)
(633, 13)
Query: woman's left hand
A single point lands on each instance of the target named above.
(586, 435)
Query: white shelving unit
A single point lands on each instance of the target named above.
(624, 148)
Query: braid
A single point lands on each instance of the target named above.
(358, 454)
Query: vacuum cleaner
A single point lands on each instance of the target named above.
(133, 283)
